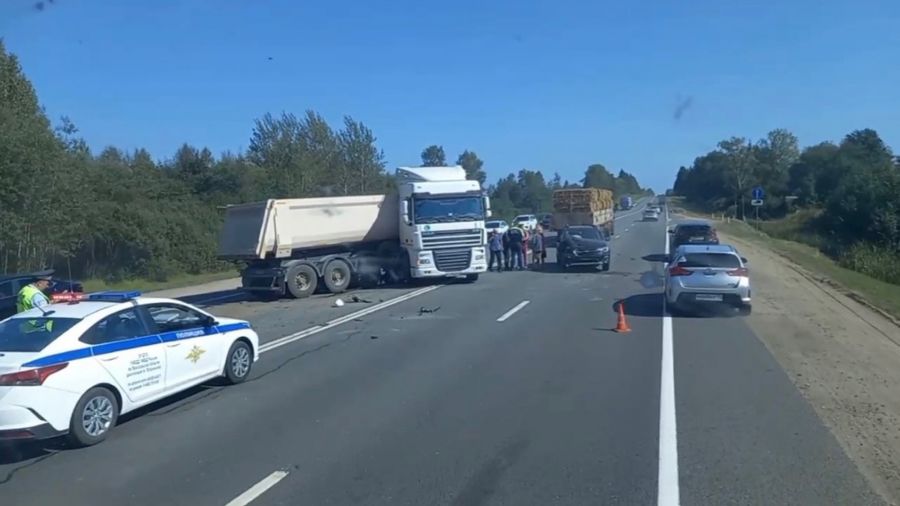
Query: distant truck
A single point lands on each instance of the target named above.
(626, 203)
(433, 226)
(583, 206)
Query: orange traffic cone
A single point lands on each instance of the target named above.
(622, 325)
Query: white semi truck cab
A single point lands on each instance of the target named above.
(442, 217)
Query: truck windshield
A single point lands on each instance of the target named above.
(448, 209)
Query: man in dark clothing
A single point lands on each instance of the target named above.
(495, 244)
(516, 237)
(506, 256)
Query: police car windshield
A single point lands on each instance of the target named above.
(29, 335)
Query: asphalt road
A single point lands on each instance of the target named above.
(451, 395)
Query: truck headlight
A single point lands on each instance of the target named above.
(479, 256)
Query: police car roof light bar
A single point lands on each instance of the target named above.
(114, 296)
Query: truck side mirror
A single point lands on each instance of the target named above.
(487, 207)
(404, 211)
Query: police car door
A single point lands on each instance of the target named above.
(130, 353)
(193, 349)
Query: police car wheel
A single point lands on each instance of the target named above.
(95, 414)
(238, 362)
(337, 276)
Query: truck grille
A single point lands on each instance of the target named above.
(455, 239)
(452, 260)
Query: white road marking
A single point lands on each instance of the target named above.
(277, 343)
(667, 486)
(513, 311)
(259, 489)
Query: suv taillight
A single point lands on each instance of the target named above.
(31, 377)
(679, 271)
(739, 272)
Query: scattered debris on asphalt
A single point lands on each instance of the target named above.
(425, 310)
(359, 299)
(373, 337)
(338, 303)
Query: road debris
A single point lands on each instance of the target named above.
(359, 299)
(338, 303)
(425, 310)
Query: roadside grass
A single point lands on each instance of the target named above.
(146, 285)
(804, 251)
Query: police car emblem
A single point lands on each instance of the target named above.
(195, 353)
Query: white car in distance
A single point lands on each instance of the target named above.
(526, 221)
(73, 367)
(499, 226)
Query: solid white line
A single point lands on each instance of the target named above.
(257, 490)
(667, 491)
(513, 311)
(277, 343)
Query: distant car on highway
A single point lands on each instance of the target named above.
(693, 232)
(499, 226)
(583, 245)
(651, 214)
(708, 274)
(72, 367)
(546, 220)
(526, 221)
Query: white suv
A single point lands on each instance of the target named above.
(526, 221)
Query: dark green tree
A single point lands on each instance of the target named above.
(473, 166)
(433, 156)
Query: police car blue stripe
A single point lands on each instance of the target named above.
(125, 344)
(129, 344)
(66, 356)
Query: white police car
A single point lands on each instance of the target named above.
(74, 367)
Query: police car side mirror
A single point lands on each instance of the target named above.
(209, 321)
(743, 260)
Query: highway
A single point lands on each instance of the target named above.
(510, 391)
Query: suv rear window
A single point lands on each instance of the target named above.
(721, 260)
(30, 335)
(695, 230)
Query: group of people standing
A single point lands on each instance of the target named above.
(509, 250)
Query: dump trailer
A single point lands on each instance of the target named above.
(432, 226)
(583, 206)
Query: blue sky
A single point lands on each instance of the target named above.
(550, 85)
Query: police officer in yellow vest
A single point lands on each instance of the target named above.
(32, 295)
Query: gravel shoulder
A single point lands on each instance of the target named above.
(843, 356)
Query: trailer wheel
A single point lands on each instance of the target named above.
(337, 276)
(301, 281)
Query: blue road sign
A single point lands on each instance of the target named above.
(758, 193)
